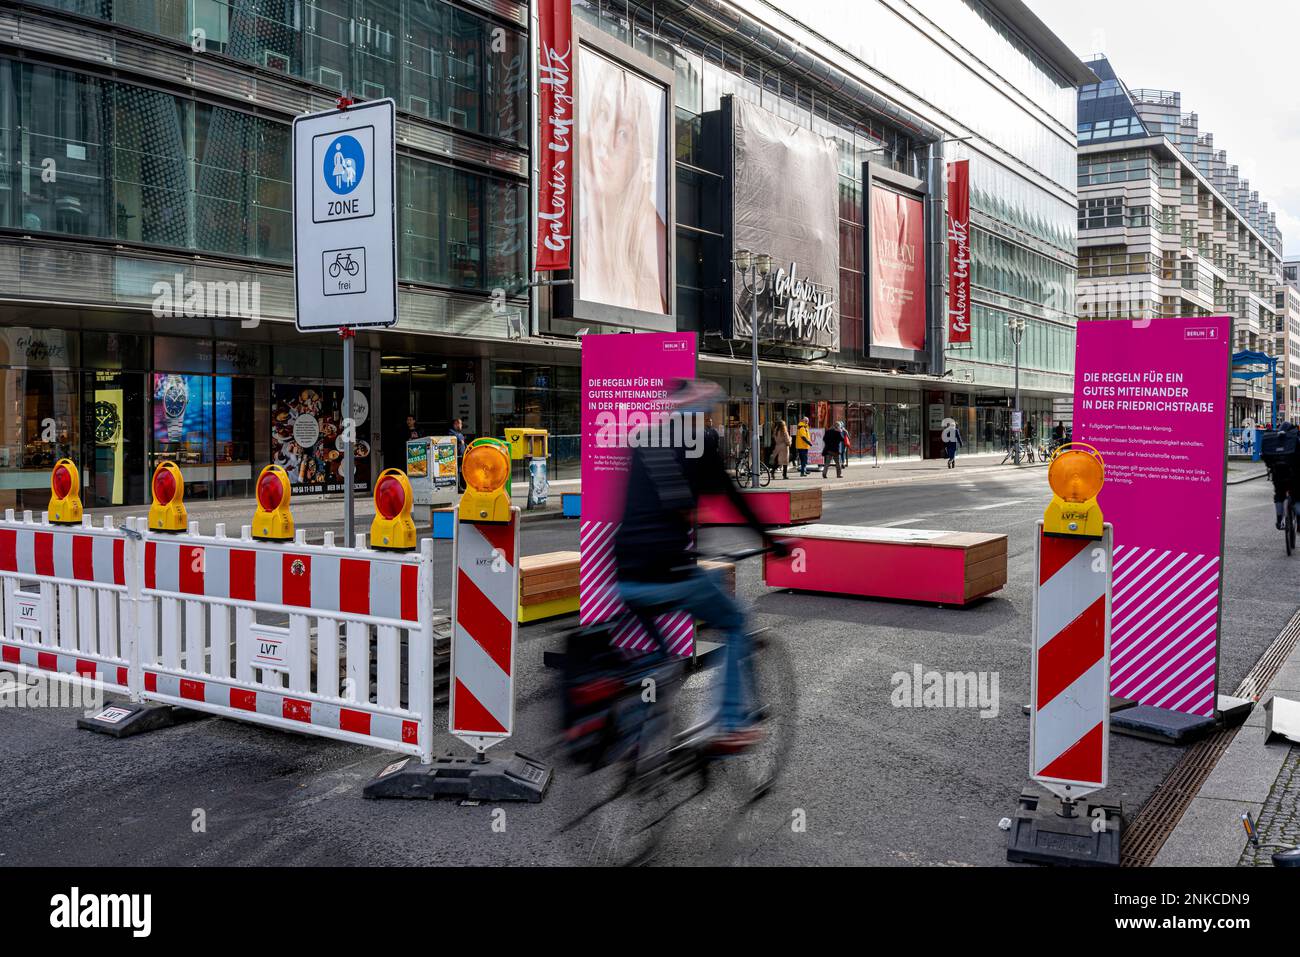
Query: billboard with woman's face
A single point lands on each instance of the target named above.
(623, 185)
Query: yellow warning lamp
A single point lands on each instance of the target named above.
(273, 522)
(1076, 475)
(65, 493)
(167, 513)
(393, 528)
(486, 470)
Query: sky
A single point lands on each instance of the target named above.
(1237, 65)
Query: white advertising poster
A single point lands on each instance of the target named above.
(623, 185)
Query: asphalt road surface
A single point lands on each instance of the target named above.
(868, 783)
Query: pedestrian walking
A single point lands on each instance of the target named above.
(833, 450)
(802, 443)
(456, 430)
(952, 441)
(781, 449)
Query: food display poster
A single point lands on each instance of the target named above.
(306, 436)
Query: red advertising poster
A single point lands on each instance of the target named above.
(959, 252)
(897, 271)
(555, 167)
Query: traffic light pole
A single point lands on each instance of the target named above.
(349, 337)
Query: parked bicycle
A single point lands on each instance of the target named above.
(642, 717)
(765, 471)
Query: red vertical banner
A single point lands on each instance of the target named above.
(959, 262)
(556, 154)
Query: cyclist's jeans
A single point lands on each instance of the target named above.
(698, 593)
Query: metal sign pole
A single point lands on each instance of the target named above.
(349, 337)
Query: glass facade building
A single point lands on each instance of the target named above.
(146, 147)
(982, 87)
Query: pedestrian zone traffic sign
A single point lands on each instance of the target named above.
(344, 218)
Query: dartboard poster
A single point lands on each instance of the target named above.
(306, 436)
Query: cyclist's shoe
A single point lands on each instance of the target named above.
(735, 742)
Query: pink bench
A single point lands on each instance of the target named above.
(945, 568)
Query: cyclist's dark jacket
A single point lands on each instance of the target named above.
(1283, 473)
(663, 487)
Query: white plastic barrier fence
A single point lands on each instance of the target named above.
(284, 634)
(67, 604)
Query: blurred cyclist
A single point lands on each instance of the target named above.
(656, 565)
(1280, 451)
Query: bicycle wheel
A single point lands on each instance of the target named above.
(770, 684)
(765, 476)
(660, 779)
(742, 473)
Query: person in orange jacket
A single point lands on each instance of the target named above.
(802, 443)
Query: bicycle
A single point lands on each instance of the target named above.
(765, 472)
(647, 720)
(344, 261)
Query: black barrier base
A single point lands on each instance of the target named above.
(1158, 724)
(1040, 834)
(128, 718)
(1231, 712)
(514, 778)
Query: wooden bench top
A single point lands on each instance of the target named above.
(529, 563)
(888, 536)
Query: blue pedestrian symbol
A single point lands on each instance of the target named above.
(345, 164)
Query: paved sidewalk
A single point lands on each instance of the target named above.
(1262, 779)
(863, 473)
(1245, 471)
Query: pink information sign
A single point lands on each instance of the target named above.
(1152, 397)
(625, 381)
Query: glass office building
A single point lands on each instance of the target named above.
(145, 159)
(907, 87)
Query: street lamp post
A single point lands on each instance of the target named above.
(1016, 327)
(756, 264)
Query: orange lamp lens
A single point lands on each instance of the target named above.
(390, 497)
(270, 492)
(1076, 476)
(62, 481)
(164, 487)
(486, 468)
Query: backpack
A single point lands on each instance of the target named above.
(1277, 448)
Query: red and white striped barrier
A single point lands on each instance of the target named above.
(1069, 730)
(485, 626)
(66, 606)
(213, 636)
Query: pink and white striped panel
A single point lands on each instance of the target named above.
(598, 598)
(1164, 628)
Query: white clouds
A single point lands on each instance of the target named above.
(1234, 63)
